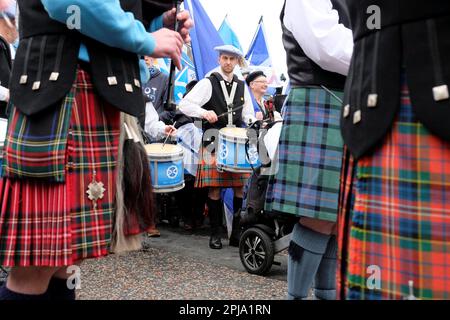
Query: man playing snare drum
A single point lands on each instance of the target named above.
(209, 101)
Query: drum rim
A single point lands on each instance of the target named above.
(165, 158)
(233, 169)
(175, 188)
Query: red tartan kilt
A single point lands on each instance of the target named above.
(209, 176)
(394, 215)
(55, 224)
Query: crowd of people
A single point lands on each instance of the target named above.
(363, 157)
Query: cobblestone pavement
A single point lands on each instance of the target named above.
(179, 265)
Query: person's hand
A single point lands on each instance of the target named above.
(4, 4)
(184, 25)
(259, 115)
(170, 130)
(210, 116)
(169, 44)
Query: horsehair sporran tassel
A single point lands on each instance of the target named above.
(137, 182)
(120, 242)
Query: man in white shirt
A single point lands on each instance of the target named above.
(208, 101)
(319, 46)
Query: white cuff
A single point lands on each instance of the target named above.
(4, 94)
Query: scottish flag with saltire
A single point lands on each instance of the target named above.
(259, 58)
(204, 38)
(228, 35)
(258, 53)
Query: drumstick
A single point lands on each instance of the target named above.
(232, 110)
(226, 113)
(168, 135)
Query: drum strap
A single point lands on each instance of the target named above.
(229, 98)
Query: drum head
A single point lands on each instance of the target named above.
(160, 149)
(240, 133)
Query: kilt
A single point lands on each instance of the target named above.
(209, 176)
(395, 215)
(310, 156)
(53, 224)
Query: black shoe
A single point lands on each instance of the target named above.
(215, 242)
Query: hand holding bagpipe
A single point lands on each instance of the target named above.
(170, 39)
(185, 23)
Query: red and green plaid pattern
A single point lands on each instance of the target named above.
(44, 223)
(398, 215)
(35, 146)
(310, 156)
(208, 176)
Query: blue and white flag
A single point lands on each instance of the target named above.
(204, 38)
(228, 35)
(258, 54)
(181, 81)
(163, 65)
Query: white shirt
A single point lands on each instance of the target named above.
(192, 104)
(153, 126)
(315, 25)
(4, 93)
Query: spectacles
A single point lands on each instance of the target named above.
(261, 81)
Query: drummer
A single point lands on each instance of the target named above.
(207, 100)
(154, 127)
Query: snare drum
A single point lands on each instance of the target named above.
(232, 156)
(166, 167)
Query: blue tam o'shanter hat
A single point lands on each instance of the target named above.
(229, 49)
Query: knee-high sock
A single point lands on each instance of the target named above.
(58, 290)
(305, 254)
(325, 284)
(6, 294)
(215, 215)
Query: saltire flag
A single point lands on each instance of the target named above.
(204, 38)
(228, 35)
(258, 53)
(164, 65)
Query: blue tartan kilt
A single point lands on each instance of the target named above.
(309, 155)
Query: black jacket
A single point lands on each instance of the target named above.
(414, 40)
(48, 56)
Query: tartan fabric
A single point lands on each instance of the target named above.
(52, 224)
(397, 215)
(35, 146)
(310, 156)
(209, 176)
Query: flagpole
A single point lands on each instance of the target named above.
(170, 103)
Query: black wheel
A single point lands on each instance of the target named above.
(256, 251)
